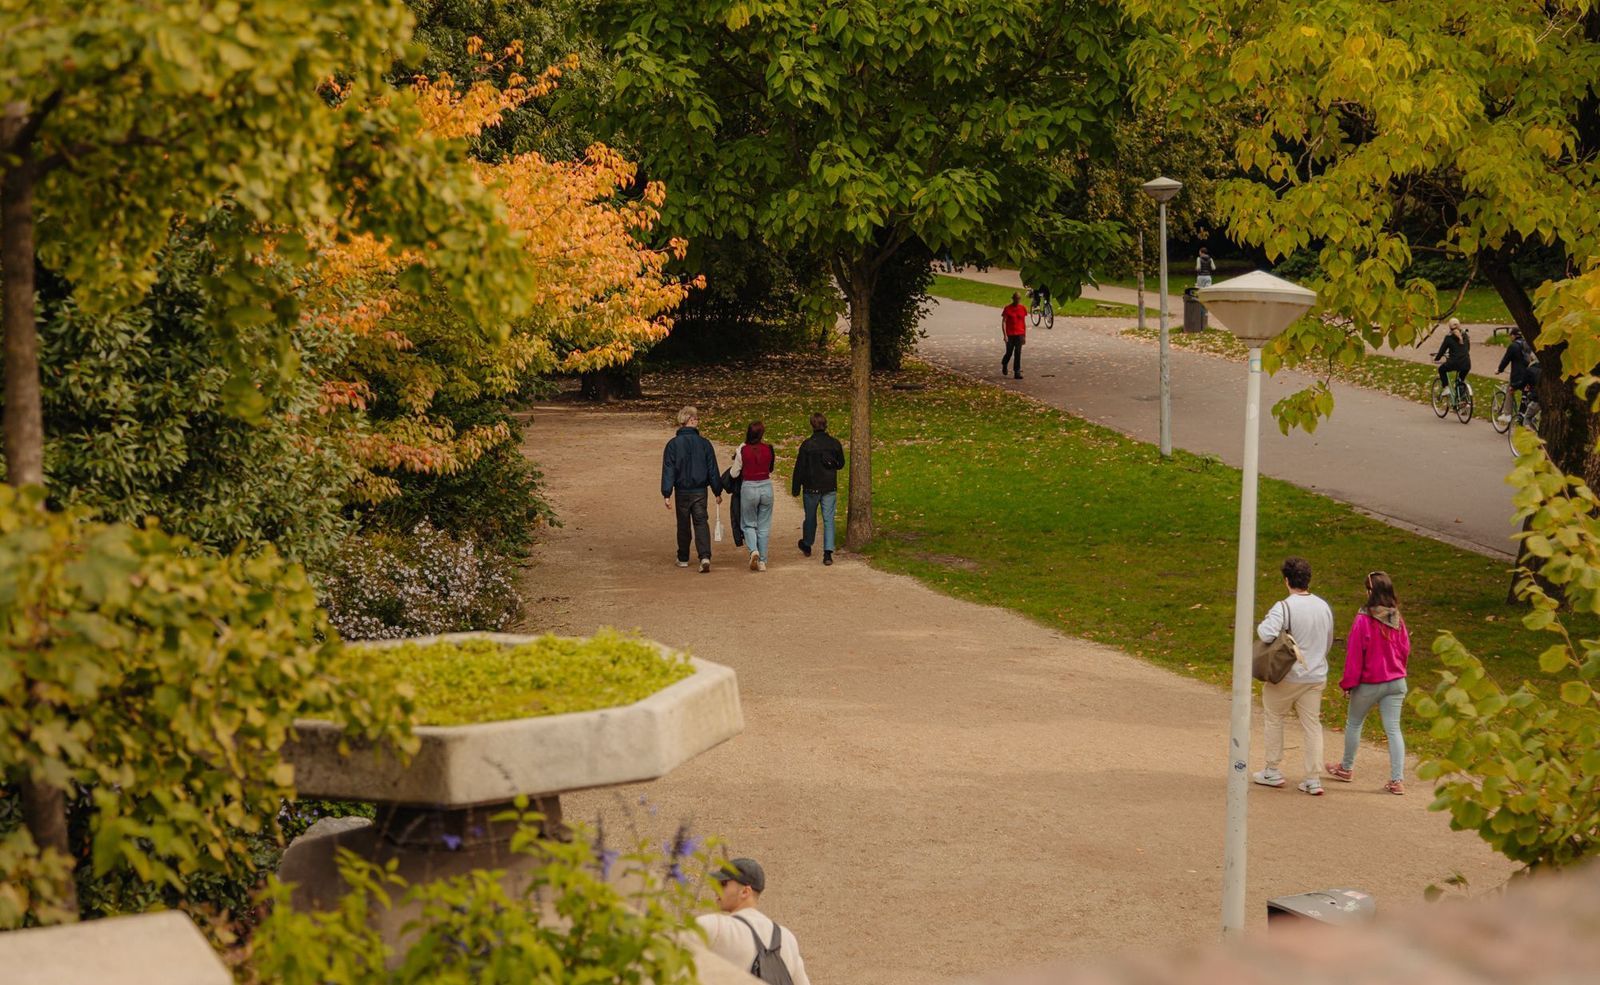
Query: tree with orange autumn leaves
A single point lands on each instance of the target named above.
(599, 296)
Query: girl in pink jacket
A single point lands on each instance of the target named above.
(1375, 674)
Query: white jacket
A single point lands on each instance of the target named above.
(729, 938)
(1310, 622)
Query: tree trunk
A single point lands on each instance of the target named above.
(44, 807)
(617, 383)
(1566, 423)
(858, 529)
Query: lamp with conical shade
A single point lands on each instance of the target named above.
(1258, 306)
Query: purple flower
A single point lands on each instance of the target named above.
(452, 842)
(608, 858)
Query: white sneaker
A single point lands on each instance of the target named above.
(755, 559)
(1312, 786)
(761, 565)
(705, 565)
(683, 564)
(1268, 778)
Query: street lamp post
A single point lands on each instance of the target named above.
(1162, 191)
(1255, 307)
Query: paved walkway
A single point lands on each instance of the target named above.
(1488, 356)
(1391, 457)
(938, 788)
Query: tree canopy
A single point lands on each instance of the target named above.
(848, 128)
(1377, 132)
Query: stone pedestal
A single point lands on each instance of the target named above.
(435, 811)
(148, 949)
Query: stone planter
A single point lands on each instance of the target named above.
(434, 811)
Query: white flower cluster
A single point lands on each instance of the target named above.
(387, 586)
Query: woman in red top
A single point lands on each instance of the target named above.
(753, 464)
(1375, 674)
(1014, 323)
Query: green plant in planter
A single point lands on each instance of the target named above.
(588, 914)
(457, 683)
(154, 683)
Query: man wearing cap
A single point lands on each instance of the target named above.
(733, 933)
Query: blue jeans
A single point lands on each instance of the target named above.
(808, 532)
(1389, 697)
(755, 514)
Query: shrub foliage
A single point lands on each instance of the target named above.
(155, 683)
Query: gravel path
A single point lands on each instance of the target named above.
(937, 788)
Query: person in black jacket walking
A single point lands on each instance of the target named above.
(816, 472)
(688, 467)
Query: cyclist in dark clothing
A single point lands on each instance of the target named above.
(1456, 350)
(1524, 364)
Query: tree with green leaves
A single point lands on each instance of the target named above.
(849, 128)
(1378, 133)
(119, 119)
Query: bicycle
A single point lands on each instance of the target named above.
(1524, 414)
(1041, 311)
(1501, 408)
(1457, 397)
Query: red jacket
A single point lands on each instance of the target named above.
(755, 462)
(1015, 318)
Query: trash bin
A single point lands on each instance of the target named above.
(1194, 313)
(1335, 906)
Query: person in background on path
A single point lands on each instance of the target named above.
(1309, 620)
(816, 472)
(752, 465)
(688, 468)
(1524, 364)
(1375, 674)
(1204, 267)
(741, 933)
(1456, 350)
(1014, 327)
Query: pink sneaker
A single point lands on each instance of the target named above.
(1338, 772)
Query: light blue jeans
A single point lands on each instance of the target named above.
(755, 514)
(808, 531)
(1389, 697)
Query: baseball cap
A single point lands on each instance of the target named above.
(744, 871)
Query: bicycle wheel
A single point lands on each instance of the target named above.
(1527, 418)
(1441, 399)
(1464, 403)
(1034, 315)
(1049, 315)
(1500, 410)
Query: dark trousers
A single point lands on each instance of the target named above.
(1013, 351)
(691, 508)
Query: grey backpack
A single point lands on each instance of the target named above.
(768, 965)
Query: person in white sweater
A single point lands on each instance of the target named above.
(741, 933)
(1310, 621)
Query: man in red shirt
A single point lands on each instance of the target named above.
(1014, 323)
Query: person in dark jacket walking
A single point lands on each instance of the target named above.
(688, 467)
(1456, 351)
(816, 473)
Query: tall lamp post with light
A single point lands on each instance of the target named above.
(1162, 190)
(1255, 307)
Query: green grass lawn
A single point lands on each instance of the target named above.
(998, 295)
(1398, 377)
(994, 498)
